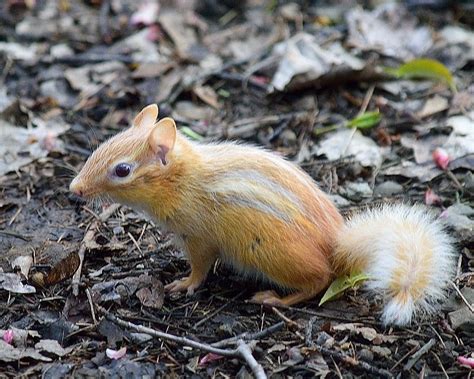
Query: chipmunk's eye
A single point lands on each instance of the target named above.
(122, 170)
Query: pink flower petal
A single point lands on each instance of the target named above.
(441, 158)
(208, 358)
(431, 197)
(116, 354)
(8, 336)
(466, 361)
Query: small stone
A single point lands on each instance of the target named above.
(356, 191)
(339, 201)
(462, 319)
(388, 188)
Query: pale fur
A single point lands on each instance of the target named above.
(407, 255)
(266, 216)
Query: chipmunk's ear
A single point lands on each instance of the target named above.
(146, 117)
(162, 138)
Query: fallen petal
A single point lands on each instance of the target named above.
(208, 358)
(441, 158)
(116, 354)
(431, 198)
(8, 336)
(466, 361)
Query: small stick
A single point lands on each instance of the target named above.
(462, 297)
(212, 314)
(380, 373)
(89, 236)
(423, 350)
(251, 336)
(440, 364)
(91, 304)
(308, 335)
(340, 356)
(246, 353)
(412, 350)
(284, 318)
(242, 351)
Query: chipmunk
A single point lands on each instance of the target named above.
(265, 216)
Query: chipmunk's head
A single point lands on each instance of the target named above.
(123, 167)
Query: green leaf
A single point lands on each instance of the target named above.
(341, 284)
(365, 120)
(191, 133)
(424, 68)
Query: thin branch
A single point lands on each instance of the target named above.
(246, 353)
(462, 297)
(242, 351)
(250, 336)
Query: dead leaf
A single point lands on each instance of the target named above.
(302, 56)
(12, 282)
(116, 290)
(152, 296)
(461, 141)
(8, 353)
(21, 146)
(432, 106)
(424, 172)
(368, 333)
(146, 14)
(52, 347)
(389, 29)
(208, 95)
(340, 144)
(182, 35)
(24, 263)
(63, 270)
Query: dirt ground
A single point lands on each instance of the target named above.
(74, 73)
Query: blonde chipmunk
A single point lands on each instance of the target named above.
(265, 216)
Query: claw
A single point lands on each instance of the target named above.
(181, 285)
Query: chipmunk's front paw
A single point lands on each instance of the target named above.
(267, 298)
(180, 285)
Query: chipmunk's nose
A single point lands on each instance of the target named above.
(75, 187)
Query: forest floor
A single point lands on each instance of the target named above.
(287, 76)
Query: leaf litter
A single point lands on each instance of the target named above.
(309, 82)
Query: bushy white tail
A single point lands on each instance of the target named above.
(406, 253)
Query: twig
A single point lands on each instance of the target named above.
(440, 365)
(89, 236)
(212, 314)
(88, 58)
(91, 305)
(454, 179)
(16, 235)
(251, 336)
(412, 350)
(308, 335)
(423, 350)
(380, 373)
(246, 353)
(284, 318)
(242, 351)
(340, 356)
(462, 297)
